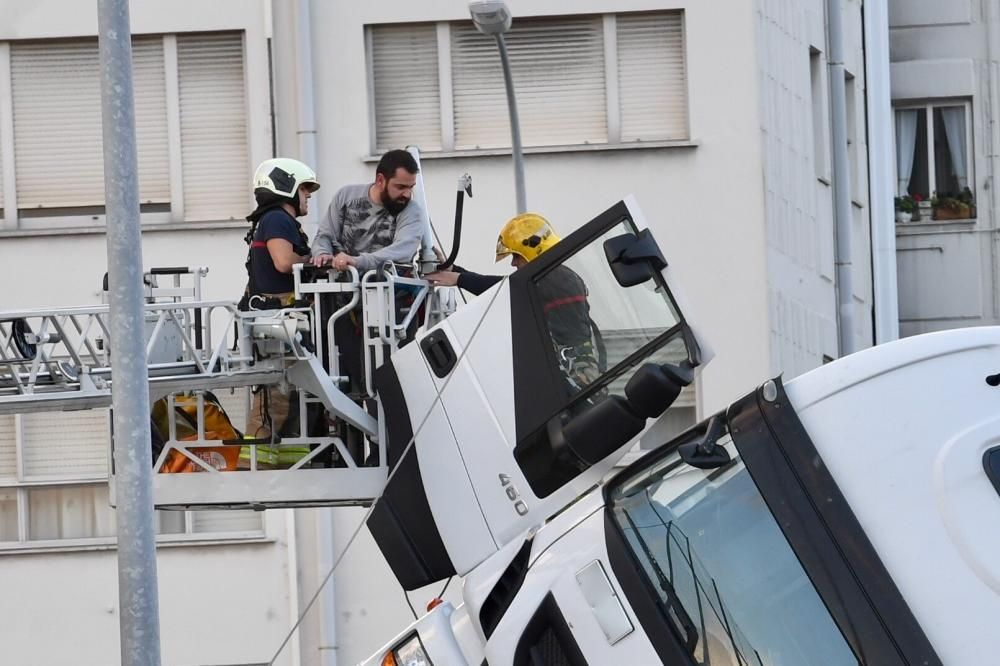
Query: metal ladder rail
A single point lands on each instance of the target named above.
(64, 364)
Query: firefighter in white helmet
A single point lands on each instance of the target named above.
(282, 187)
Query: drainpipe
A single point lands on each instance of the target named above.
(842, 217)
(327, 602)
(881, 171)
(305, 129)
(992, 139)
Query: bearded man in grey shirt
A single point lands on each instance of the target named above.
(367, 225)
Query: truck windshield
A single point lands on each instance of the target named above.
(726, 577)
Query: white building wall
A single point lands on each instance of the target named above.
(794, 101)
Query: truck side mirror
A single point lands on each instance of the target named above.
(634, 258)
(597, 432)
(653, 388)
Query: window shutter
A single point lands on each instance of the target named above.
(56, 89)
(235, 403)
(66, 444)
(652, 79)
(204, 522)
(558, 71)
(149, 82)
(214, 153)
(8, 448)
(69, 512)
(406, 91)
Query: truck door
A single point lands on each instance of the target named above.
(525, 398)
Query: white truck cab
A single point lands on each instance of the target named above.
(848, 517)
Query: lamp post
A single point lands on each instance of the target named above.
(493, 18)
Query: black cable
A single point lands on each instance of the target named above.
(406, 595)
(443, 589)
(457, 239)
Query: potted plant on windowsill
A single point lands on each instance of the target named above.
(955, 206)
(905, 207)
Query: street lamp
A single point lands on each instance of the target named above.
(493, 18)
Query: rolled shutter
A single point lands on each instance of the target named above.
(204, 522)
(558, 71)
(151, 137)
(56, 89)
(214, 152)
(406, 91)
(71, 444)
(235, 405)
(8, 448)
(652, 79)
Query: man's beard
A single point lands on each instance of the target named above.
(393, 206)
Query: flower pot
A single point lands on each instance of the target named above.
(903, 217)
(926, 210)
(946, 213)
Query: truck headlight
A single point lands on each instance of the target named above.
(410, 652)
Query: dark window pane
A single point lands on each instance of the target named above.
(919, 177)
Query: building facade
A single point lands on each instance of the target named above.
(944, 92)
(716, 118)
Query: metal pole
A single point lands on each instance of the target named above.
(515, 127)
(842, 216)
(881, 170)
(305, 100)
(137, 584)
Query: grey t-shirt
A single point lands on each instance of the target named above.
(353, 224)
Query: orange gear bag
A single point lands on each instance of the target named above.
(217, 427)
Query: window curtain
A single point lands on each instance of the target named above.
(954, 128)
(906, 143)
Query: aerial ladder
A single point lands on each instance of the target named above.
(59, 360)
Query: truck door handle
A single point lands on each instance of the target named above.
(439, 353)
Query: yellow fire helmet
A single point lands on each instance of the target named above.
(527, 235)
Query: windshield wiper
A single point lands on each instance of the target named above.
(670, 605)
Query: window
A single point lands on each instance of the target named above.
(725, 576)
(189, 93)
(596, 326)
(933, 153)
(820, 115)
(580, 80)
(853, 154)
(53, 485)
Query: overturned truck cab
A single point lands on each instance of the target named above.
(841, 518)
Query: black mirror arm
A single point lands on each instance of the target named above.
(704, 452)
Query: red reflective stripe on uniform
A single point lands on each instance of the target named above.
(258, 244)
(565, 301)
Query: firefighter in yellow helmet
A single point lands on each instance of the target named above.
(563, 294)
(524, 237)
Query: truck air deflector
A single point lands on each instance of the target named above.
(402, 523)
(824, 532)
